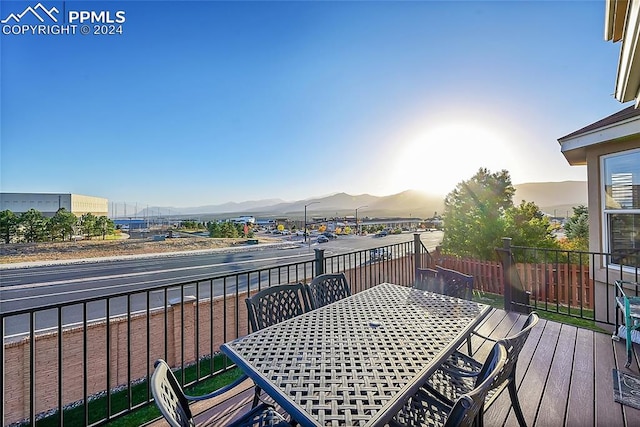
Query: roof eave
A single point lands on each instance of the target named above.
(574, 148)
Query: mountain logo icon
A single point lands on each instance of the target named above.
(38, 11)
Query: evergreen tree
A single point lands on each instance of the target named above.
(577, 228)
(8, 225)
(34, 225)
(62, 224)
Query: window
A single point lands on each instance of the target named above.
(621, 179)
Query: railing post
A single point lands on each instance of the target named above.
(319, 261)
(417, 253)
(507, 266)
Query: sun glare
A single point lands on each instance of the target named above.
(441, 157)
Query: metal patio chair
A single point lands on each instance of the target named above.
(424, 409)
(275, 304)
(174, 404)
(455, 283)
(328, 288)
(427, 279)
(628, 304)
(461, 373)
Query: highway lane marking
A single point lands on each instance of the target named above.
(142, 273)
(110, 287)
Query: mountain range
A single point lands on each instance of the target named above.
(554, 198)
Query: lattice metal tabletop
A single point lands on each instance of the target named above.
(354, 362)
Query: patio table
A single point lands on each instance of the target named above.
(356, 361)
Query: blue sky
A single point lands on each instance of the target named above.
(203, 102)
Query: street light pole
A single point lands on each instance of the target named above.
(305, 219)
(359, 207)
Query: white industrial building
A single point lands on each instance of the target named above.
(49, 203)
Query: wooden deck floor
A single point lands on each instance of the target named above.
(564, 378)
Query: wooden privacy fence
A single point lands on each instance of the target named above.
(565, 284)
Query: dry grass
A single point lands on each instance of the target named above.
(26, 252)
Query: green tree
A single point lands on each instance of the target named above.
(474, 214)
(62, 225)
(528, 226)
(577, 228)
(104, 226)
(34, 225)
(215, 230)
(8, 225)
(230, 230)
(88, 223)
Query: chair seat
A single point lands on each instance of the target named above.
(174, 404)
(262, 415)
(421, 410)
(453, 386)
(425, 409)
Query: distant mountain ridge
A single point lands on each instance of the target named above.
(551, 197)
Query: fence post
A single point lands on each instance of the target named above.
(507, 266)
(417, 254)
(319, 261)
(515, 296)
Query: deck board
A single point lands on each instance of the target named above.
(559, 378)
(580, 406)
(563, 377)
(607, 411)
(531, 390)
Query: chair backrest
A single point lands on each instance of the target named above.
(455, 284)
(328, 288)
(169, 396)
(466, 409)
(275, 304)
(514, 345)
(427, 279)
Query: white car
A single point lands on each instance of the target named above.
(380, 254)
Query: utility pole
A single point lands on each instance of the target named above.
(359, 207)
(305, 222)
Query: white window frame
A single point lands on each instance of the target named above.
(605, 212)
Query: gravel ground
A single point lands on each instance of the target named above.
(27, 252)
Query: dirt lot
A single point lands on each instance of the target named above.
(25, 252)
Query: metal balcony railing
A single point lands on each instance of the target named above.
(87, 362)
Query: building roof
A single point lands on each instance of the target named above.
(625, 114)
(616, 127)
(622, 24)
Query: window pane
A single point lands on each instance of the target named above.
(622, 181)
(625, 239)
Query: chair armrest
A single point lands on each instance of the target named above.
(458, 372)
(219, 391)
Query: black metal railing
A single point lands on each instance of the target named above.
(89, 361)
(578, 284)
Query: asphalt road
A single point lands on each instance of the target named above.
(40, 286)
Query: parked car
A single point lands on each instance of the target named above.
(380, 254)
(322, 239)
